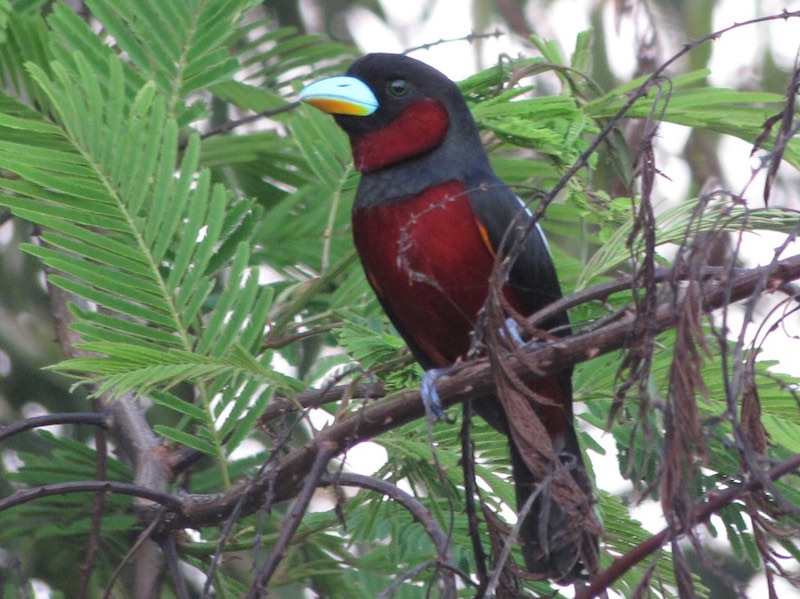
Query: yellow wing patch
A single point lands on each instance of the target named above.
(485, 236)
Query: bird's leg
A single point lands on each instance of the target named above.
(512, 329)
(430, 396)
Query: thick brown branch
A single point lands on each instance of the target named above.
(314, 398)
(468, 380)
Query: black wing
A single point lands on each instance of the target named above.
(533, 275)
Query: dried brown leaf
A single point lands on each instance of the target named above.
(752, 427)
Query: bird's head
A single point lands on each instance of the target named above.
(392, 106)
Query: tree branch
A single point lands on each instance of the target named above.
(314, 398)
(100, 419)
(716, 502)
(135, 439)
(441, 540)
(465, 380)
(291, 522)
(169, 501)
(469, 380)
(96, 512)
(151, 581)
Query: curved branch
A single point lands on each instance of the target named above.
(440, 538)
(91, 486)
(101, 419)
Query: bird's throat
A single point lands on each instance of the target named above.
(418, 129)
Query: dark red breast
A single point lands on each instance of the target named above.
(429, 262)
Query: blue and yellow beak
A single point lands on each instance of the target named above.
(340, 95)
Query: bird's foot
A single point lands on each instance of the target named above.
(430, 396)
(512, 330)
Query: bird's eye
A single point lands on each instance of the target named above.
(399, 88)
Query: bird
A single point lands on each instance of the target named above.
(429, 218)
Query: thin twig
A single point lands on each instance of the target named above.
(715, 503)
(143, 537)
(510, 541)
(231, 125)
(408, 575)
(227, 532)
(96, 513)
(470, 37)
(267, 467)
(441, 540)
(100, 419)
(167, 500)
(470, 491)
(167, 544)
(786, 131)
(642, 91)
(292, 521)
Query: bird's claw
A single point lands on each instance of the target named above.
(430, 396)
(512, 329)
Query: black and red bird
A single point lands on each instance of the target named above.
(429, 218)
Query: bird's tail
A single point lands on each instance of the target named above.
(556, 541)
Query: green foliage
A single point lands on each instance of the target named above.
(204, 268)
(738, 113)
(380, 353)
(60, 459)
